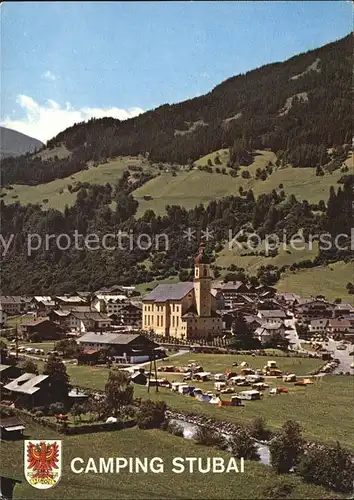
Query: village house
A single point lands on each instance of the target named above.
(267, 330)
(271, 315)
(44, 305)
(29, 389)
(41, 329)
(8, 373)
(289, 299)
(307, 310)
(184, 310)
(130, 348)
(12, 305)
(69, 302)
(342, 310)
(340, 326)
(318, 325)
(110, 304)
(129, 315)
(87, 321)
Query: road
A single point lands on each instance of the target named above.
(344, 359)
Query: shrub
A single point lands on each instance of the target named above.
(151, 414)
(55, 408)
(329, 466)
(39, 414)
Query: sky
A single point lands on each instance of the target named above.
(65, 62)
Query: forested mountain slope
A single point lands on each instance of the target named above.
(296, 108)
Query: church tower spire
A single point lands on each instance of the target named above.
(202, 282)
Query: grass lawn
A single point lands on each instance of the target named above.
(328, 280)
(138, 443)
(218, 363)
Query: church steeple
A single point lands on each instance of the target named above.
(202, 282)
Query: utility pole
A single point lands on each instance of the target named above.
(153, 360)
(16, 341)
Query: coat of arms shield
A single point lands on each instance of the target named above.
(43, 463)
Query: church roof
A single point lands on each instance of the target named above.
(165, 292)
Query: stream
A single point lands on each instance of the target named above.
(190, 429)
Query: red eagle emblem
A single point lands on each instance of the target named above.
(42, 459)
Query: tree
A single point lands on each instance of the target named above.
(29, 366)
(119, 391)
(277, 340)
(242, 445)
(245, 174)
(286, 447)
(350, 288)
(151, 414)
(68, 347)
(59, 379)
(329, 466)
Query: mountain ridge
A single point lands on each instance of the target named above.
(14, 143)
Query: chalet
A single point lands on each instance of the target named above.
(289, 299)
(340, 326)
(12, 305)
(69, 302)
(267, 330)
(30, 389)
(318, 325)
(59, 317)
(231, 291)
(87, 321)
(110, 304)
(41, 329)
(271, 315)
(307, 310)
(342, 310)
(129, 315)
(252, 321)
(44, 304)
(126, 345)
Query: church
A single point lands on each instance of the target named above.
(185, 310)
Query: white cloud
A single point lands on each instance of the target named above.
(45, 121)
(48, 75)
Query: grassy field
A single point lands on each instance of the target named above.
(252, 262)
(139, 443)
(189, 188)
(143, 288)
(323, 280)
(103, 173)
(316, 406)
(59, 151)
